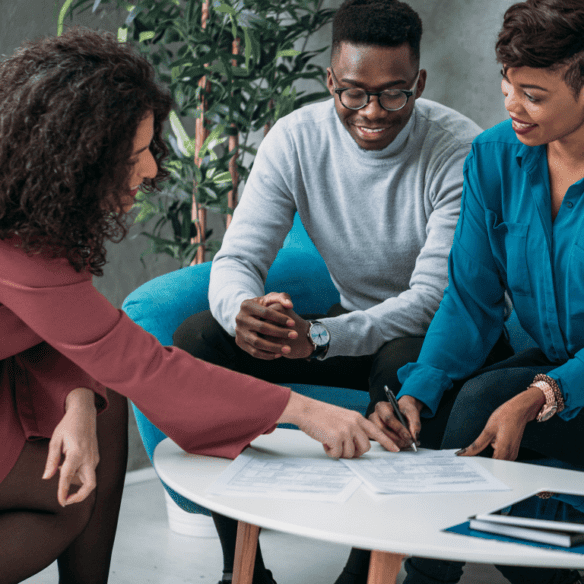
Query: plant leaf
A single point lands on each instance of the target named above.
(62, 14)
(287, 53)
(182, 138)
(212, 140)
(222, 178)
(122, 34)
(146, 36)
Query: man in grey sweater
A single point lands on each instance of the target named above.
(376, 180)
(375, 174)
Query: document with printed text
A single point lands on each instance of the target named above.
(426, 471)
(258, 474)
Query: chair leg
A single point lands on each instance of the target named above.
(245, 552)
(384, 567)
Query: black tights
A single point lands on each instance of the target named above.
(35, 530)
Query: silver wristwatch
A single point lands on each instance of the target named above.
(320, 338)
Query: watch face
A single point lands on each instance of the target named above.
(319, 335)
(547, 413)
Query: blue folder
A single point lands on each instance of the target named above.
(464, 529)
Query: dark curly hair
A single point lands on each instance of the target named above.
(545, 34)
(69, 110)
(387, 23)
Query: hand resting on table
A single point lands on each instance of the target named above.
(343, 433)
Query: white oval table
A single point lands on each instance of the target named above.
(392, 526)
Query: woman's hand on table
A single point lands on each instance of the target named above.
(343, 433)
(73, 448)
(385, 419)
(505, 427)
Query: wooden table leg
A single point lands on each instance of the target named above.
(245, 552)
(384, 567)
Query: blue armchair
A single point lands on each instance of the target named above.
(159, 306)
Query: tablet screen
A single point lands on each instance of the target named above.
(532, 511)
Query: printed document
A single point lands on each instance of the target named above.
(425, 471)
(260, 474)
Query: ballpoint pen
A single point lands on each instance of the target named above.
(399, 415)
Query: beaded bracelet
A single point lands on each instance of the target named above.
(545, 494)
(555, 388)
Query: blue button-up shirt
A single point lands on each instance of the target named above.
(505, 240)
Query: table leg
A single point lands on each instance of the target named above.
(384, 567)
(245, 552)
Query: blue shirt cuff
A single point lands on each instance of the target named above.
(569, 378)
(425, 383)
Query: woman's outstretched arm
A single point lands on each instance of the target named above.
(203, 407)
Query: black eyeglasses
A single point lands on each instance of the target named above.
(390, 100)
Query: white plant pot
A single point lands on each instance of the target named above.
(191, 524)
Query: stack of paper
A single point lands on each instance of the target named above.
(428, 471)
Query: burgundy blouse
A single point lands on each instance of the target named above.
(58, 332)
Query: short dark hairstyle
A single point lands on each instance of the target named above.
(545, 34)
(387, 23)
(70, 107)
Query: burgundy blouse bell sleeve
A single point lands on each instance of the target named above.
(204, 408)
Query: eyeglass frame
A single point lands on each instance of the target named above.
(407, 92)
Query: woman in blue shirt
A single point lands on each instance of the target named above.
(521, 231)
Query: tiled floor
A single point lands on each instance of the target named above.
(147, 552)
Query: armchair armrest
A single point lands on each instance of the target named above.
(161, 304)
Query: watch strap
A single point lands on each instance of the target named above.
(319, 353)
(549, 408)
(555, 388)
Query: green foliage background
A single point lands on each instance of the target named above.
(244, 94)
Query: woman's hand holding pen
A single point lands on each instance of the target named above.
(385, 419)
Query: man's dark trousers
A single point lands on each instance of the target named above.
(203, 337)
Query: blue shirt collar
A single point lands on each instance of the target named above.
(529, 157)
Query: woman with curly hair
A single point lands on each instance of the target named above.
(80, 131)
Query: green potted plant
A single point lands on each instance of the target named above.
(232, 67)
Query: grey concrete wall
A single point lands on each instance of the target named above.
(457, 51)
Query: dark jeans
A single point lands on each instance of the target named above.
(474, 401)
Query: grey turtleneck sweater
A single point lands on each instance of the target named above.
(382, 220)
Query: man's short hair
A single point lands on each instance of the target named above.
(387, 23)
(545, 34)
